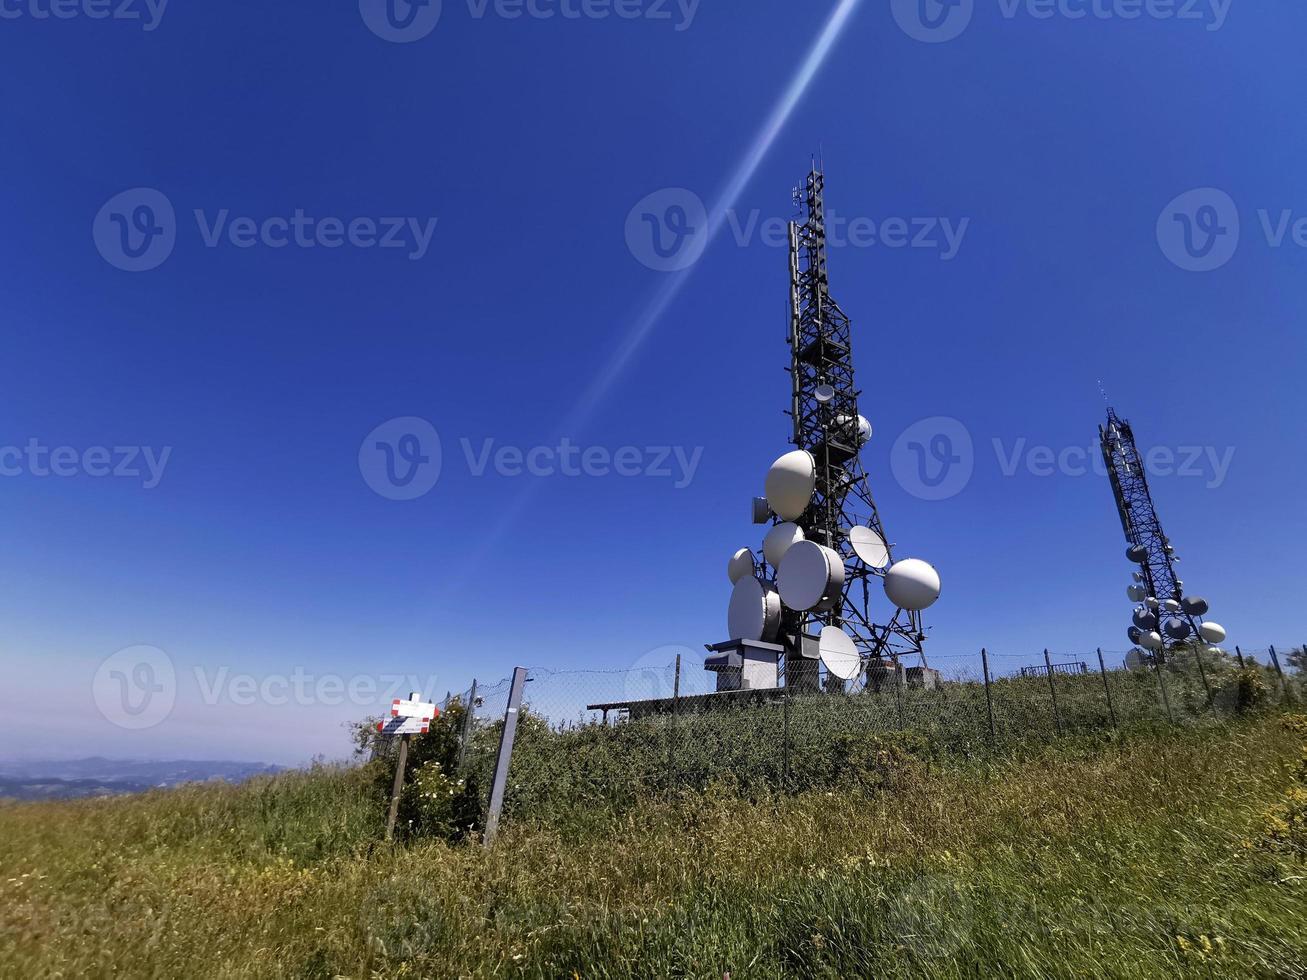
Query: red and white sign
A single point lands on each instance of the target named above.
(413, 709)
(404, 726)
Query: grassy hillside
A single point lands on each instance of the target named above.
(1179, 853)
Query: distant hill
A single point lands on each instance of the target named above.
(62, 779)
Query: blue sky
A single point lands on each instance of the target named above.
(470, 253)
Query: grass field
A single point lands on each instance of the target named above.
(1174, 853)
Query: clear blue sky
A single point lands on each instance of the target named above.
(1052, 147)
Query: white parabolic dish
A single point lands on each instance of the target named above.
(778, 541)
(839, 653)
(740, 565)
(755, 611)
(790, 484)
(810, 573)
(1212, 632)
(869, 546)
(912, 584)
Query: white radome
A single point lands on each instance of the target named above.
(811, 575)
(1172, 605)
(755, 611)
(1212, 632)
(740, 565)
(790, 484)
(863, 427)
(912, 584)
(1152, 640)
(779, 540)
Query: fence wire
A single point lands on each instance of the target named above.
(610, 737)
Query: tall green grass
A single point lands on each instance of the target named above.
(1137, 854)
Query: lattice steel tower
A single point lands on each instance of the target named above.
(1175, 617)
(824, 408)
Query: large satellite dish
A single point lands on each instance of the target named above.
(855, 428)
(1145, 619)
(790, 484)
(1137, 553)
(755, 611)
(1151, 640)
(912, 584)
(1136, 593)
(1195, 606)
(1178, 629)
(740, 565)
(811, 575)
(1134, 660)
(1212, 632)
(869, 546)
(778, 541)
(1134, 632)
(839, 653)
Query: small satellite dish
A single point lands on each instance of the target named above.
(810, 575)
(912, 584)
(790, 484)
(1151, 640)
(839, 653)
(1136, 576)
(824, 394)
(1134, 660)
(778, 541)
(1212, 632)
(740, 565)
(869, 546)
(1135, 633)
(1137, 593)
(1195, 606)
(754, 612)
(855, 428)
(1137, 553)
(761, 510)
(1152, 603)
(1171, 605)
(1178, 629)
(1144, 619)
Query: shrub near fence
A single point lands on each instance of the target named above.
(571, 765)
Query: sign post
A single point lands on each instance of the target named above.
(407, 718)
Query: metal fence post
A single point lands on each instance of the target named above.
(1052, 689)
(989, 700)
(1166, 701)
(1239, 653)
(505, 754)
(671, 729)
(469, 710)
(785, 732)
(1107, 689)
(1198, 656)
(1284, 686)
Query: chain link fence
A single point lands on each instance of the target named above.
(604, 739)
